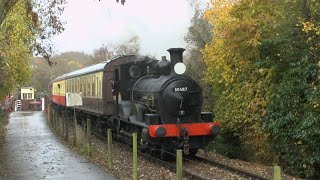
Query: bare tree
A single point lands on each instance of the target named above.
(199, 34)
(109, 51)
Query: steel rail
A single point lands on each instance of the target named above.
(237, 171)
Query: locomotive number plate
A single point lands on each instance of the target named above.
(180, 89)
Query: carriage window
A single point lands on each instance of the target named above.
(69, 87)
(93, 86)
(116, 75)
(58, 89)
(99, 86)
(88, 86)
(80, 85)
(62, 88)
(75, 85)
(84, 86)
(72, 85)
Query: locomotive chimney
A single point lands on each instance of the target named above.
(175, 55)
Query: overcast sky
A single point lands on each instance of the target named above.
(160, 24)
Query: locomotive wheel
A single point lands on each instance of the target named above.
(166, 154)
(155, 151)
(143, 146)
(193, 152)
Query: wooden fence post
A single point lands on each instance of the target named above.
(63, 123)
(51, 116)
(75, 127)
(276, 173)
(179, 164)
(89, 136)
(110, 160)
(55, 119)
(57, 122)
(49, 113)
(67, 128)
(135, 157)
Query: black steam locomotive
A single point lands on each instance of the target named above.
(140, 94)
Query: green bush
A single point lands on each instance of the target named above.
(227, 144)
(264, 65)
(294, 119)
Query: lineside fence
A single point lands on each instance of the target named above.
(82, 135)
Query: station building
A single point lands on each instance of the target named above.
(27, 93)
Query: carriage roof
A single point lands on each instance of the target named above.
(95, 68)
(86, 70)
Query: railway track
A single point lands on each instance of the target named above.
(240, 172)
(195, 161)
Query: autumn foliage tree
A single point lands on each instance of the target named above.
(239, 82)
(14, 54)
(26, 27)
(264, 66)
(43, 21)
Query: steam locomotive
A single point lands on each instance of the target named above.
(143, 95)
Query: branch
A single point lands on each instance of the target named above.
(122, 1)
